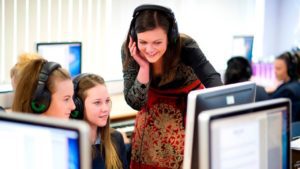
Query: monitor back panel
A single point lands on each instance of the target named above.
(255, 136)
(211, 98)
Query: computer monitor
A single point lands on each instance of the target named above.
(254, 135)
(35, 142)
(68, 54)
(242, 46)
(211, 98)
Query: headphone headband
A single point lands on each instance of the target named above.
(173, 33)
(152, 7)
(77, 79)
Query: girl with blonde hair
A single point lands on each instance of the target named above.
(44, 88)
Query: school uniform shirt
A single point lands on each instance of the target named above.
(290, 90)
(261, 94)
(99, 159)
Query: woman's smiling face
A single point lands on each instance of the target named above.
(152, 44)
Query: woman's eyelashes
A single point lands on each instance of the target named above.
(97, 103)
(67, 99)
(101, 102)
(155, 43)
(108, 101)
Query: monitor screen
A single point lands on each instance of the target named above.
(35, 142)
(211, 98)
(67, 54)
(243, 46)
(254, 135)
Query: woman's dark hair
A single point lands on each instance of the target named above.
(149, 20)
(238, 70)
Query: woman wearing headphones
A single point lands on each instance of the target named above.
(286, 70)
(93, 104)
(44, 88)
(160, 68)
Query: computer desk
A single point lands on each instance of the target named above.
(122, 115)
(295, 150)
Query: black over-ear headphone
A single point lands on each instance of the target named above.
(173, 29)
(42, 97)
(78, 112)
(292, 65)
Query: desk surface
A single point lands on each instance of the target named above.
(120, 109)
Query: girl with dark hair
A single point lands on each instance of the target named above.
(286, 70)
(160, 68)
(239, 70)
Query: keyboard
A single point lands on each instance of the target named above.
(126, 126)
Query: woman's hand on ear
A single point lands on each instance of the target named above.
(136, 54)
(144, 71)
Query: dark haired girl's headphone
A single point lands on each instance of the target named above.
(78, 112)
(173, 33)
(42, 97)
(292, 65)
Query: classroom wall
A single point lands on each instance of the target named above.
(288, 25)
(102, 25)
(279, 28)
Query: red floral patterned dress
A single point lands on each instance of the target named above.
(158, 139)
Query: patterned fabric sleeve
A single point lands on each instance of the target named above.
(135, 93)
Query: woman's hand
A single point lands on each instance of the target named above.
(144, 71)
(136, 54)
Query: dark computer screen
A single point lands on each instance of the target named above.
(254, 135)
(211, 98)
(35, 142)
(68, 54)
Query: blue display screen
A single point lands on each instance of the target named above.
(68, 54)
(74, 162)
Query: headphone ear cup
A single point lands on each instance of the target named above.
(132, 30)
(42, 96)
(292, 65)
(78, 112)
(79, 106)
(41, 103)
(133, 35)
(174, 31)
